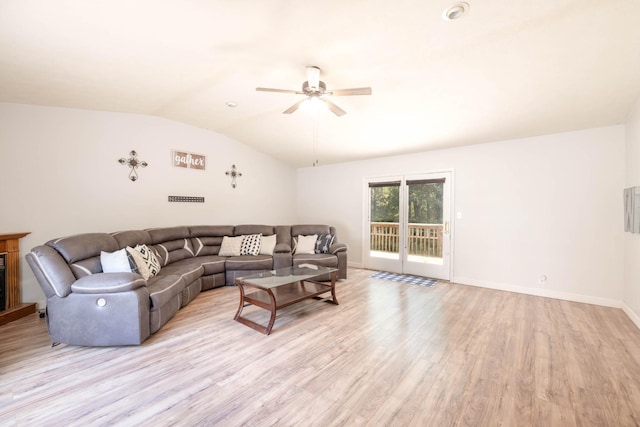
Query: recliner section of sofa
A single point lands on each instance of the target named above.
(88, 307)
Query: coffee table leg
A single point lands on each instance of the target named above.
(272, 319)
(272, 309)
(241, 289)
(333, 287)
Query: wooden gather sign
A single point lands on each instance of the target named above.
(182, 159)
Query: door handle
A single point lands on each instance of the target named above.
(446, 227)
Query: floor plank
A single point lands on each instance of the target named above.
(389, 354)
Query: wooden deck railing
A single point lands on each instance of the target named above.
(423, 239)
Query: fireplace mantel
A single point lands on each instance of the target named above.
(10, 244)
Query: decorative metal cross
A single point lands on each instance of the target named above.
(134, 164)
(233, 173)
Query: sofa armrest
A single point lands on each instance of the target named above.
(108, 283)
(338, 247)
(282, 248)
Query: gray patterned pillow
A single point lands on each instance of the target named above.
(323, 243)
(251, 244)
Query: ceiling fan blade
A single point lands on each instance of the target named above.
(294, 107)
(352, 91)
(334, 108)
(266, 89)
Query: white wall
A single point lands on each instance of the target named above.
(632, 241)
(550, 204)
(545, 205)
(60, 176)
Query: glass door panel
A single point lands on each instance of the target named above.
(427, 225)
(384, 231)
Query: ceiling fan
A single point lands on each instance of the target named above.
(315, 90)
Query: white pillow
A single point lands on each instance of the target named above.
(115, 262)
(267, 245)
(230, 246)
(143, 268)
(306, 244)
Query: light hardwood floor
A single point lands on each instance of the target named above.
(389, 354)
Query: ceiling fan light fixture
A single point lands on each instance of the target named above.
(314, 106)
(456, 11)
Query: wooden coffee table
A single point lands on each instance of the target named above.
(283, 287)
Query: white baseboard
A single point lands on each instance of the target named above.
(354, 264)
(548, 293)
(635, 318)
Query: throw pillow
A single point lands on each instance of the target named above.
(132, 261)
(142, 268)
(306, 244)
(323, 243)
(150, 259)
(115, 262)
(250, 244)
(267, 244)
(230, 246)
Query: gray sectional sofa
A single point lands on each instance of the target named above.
(88, 307)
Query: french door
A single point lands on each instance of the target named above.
(408, 224)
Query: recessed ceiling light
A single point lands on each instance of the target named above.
(456, 11)
(231, 104)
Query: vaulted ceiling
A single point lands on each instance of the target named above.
(507, 69)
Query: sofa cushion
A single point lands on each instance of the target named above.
(83, 246)
(86, 267)
(82, 251)
(324, 260)
(190, 272)
(163, 288)
(211, 264)
(206, 245)
(132, 238)
(166, 234)
(249, 262)
(307, 229)
(173, 250)
(211, 230)
(171, 244)
(206, 239)
(245, 229)
(251, 244)
(171, 282)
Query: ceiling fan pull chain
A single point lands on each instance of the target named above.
(315, 141)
